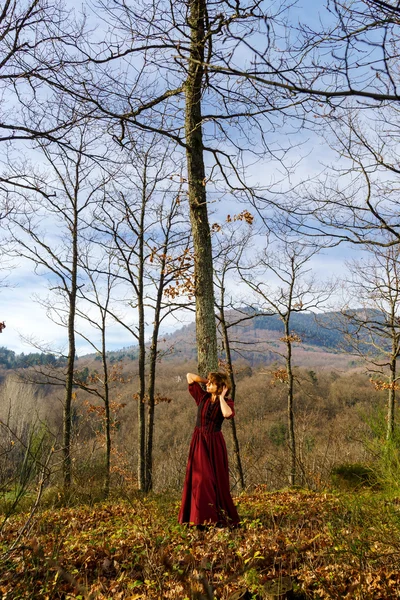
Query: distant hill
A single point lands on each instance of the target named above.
(10, 360)
(317, 330)
(255, 341)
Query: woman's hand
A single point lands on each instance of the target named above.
(224, 391)
(194, 378)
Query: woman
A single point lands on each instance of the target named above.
(206, 496)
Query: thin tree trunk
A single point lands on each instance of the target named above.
(392, 394)
(142, 348)
(153, 364)
(151, 384)
(206, 335)
(290, 413)
(392, 365)
(106, 408)
(238, 462)
(67, 416)
(150, 410)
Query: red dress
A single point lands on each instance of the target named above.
(206, 495)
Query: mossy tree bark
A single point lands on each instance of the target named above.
(206, 333)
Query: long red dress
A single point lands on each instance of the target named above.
(206, 495)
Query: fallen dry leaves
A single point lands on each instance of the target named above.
(329, 546)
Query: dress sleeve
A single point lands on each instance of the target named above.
(231, 405)
(196, 391)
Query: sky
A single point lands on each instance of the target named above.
(27, 324)
(29, 328)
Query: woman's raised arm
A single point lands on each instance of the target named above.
(193, 378)
(225, 408)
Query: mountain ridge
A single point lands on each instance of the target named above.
(255, 340)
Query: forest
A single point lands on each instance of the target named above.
(194, 186)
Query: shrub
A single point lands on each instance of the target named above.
(353, 475)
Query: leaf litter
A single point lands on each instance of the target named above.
(325, 545)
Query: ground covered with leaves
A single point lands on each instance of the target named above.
(324, 545)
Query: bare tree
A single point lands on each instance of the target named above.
(204, 110)
(348, 54)
(228, 84)
(173, 261)
(55, 199)
(292, 290)
(371, 319)
(230, 245)
(96, 297)
(145, 231)
(355, 198)
(39, 43)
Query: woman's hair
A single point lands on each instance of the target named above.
(220, 379)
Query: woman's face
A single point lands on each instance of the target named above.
(211, 387)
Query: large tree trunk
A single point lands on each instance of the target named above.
(206, 335)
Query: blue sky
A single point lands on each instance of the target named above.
(26, 319)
